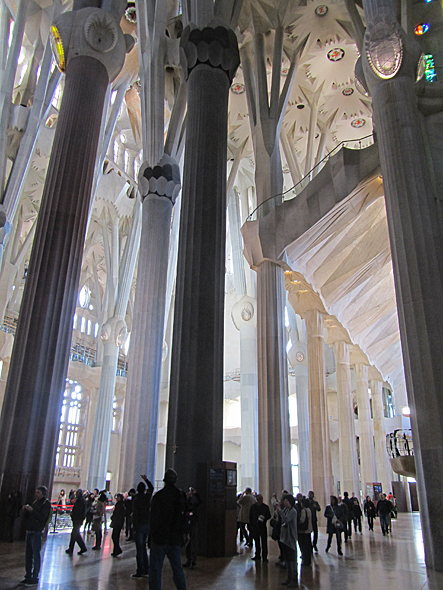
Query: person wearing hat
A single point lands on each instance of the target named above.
(37, 516)
(168, 518)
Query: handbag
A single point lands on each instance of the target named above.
(337, 523)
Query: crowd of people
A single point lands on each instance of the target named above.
(168, 520)
(294, 521)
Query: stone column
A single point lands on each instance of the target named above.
(320, 448)
(159, 187)
(417, 250)
(42, 343)
(347, 442)
(195, 422)
(244, 316)
(367, 450)
(273, 407)
(302, 388)
(383, 466)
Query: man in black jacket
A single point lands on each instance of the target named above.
(259, 514)
(168, 517)
(37, 516)
(350, 506)
(315, 507)
(78, 514)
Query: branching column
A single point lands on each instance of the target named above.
(195, 422)
(417, 250)
(367, 451)
(40, 357)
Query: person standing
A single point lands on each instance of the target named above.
(259, 514)
(128, 502)
(384, 508)
(334, 514)
(315, 507)
(168, 517)
(304, 530)
(78, 514)
(369, 509)
(117, 522)
(288, 539)
(140, 524)
(357, 513)
(245, 502)
(193, 501)
(350, 506)
(37, 517)
(98, 517)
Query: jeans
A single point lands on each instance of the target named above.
(116, 540)
(384, 522)
(158, 554)
(141, 537)
(260, 534)
(33, 547)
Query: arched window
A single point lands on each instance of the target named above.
(70, 424)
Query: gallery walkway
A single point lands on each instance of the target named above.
(370, 561)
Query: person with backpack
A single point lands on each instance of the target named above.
(37, 518)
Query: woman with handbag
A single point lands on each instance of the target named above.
(98, 517)
(288, 539)
(334, 515)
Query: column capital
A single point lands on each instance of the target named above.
(358, 356)
(162, 180)
(302, 296)
(215, 46)
(375, 375)
(335, 332)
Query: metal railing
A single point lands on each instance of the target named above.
(400, 444)
(267, 206)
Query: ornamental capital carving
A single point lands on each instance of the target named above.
(162, 180)
(114, 331)
(244, 312)
(215, 45)
(335, 331)
(302, 296)
(92, 32)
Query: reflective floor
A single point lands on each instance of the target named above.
(370, 562)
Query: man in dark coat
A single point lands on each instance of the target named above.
(193, 501)
(117, 522)
(168, 517)
(78, 514)
(140, 524)
(315, 507)
(259, 514)
(37, 516)
(350, 506)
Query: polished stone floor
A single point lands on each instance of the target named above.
(370, 562)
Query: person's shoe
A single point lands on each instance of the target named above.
(256, 558)
(315, 548)
(95, 548)
(340, 552)
(24, 581)
(327, 548)
(136, 575)
(192, 567)
(68, 552)
(31, 583)
(82, 551)
(187, 564)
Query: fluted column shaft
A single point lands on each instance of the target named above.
(383, 466)
(302, 389)
(319, 439)
(40, 356)
(195, 420)
(273, 407)
(367, 451)
(138, 453)
(347, 442)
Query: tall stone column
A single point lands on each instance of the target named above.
(320, 447)
(347, 442)
(417, 250)
(383, 466)
(244, 316)
(273, 406)
(195, 422)
(40, 356)
(367, 450)
(159, 187)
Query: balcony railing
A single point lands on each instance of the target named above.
(400, 444)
